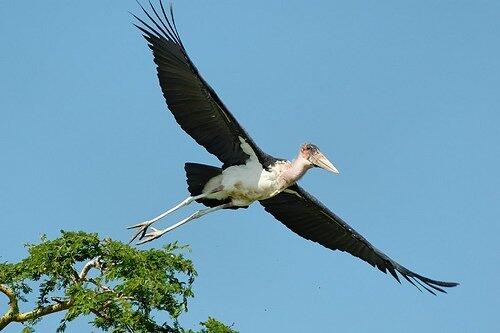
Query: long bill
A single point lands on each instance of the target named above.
(321, 161)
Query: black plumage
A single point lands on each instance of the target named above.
(306, 216)
(194, 104)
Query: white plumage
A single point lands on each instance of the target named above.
(249, 182)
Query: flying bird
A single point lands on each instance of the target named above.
(247, 174)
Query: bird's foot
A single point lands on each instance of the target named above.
(148, 237)
(142, 228)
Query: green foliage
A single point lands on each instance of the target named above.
(121, 288)
(214, 326)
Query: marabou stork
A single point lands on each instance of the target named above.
(247, 174)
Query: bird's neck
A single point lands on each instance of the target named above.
(298, 167)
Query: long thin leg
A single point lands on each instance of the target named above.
(158, 233)
(143, 226)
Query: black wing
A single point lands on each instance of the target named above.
(309, 218)
(194, 104)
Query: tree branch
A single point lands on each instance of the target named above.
(94, 263)
(12, 297)
(13, 306)
(44, 310)
(13, 314)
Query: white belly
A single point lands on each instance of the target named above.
(247, 183)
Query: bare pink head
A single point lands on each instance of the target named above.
(313, 155)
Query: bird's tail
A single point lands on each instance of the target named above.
(198, 176)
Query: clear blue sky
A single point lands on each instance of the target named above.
(403, 97)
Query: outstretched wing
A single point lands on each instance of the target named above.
(194, 104)
(309, 218)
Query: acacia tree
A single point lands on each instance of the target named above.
(121, 288)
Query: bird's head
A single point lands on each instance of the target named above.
(313, 155)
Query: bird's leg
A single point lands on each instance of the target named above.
(158, 233)
(143, 226)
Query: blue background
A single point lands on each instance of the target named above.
(403, 97)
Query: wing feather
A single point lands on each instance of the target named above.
(307, 217)
(193, 103)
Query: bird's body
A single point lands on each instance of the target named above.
(246, 183)
(247, 174)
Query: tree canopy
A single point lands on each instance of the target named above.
(121, 288)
